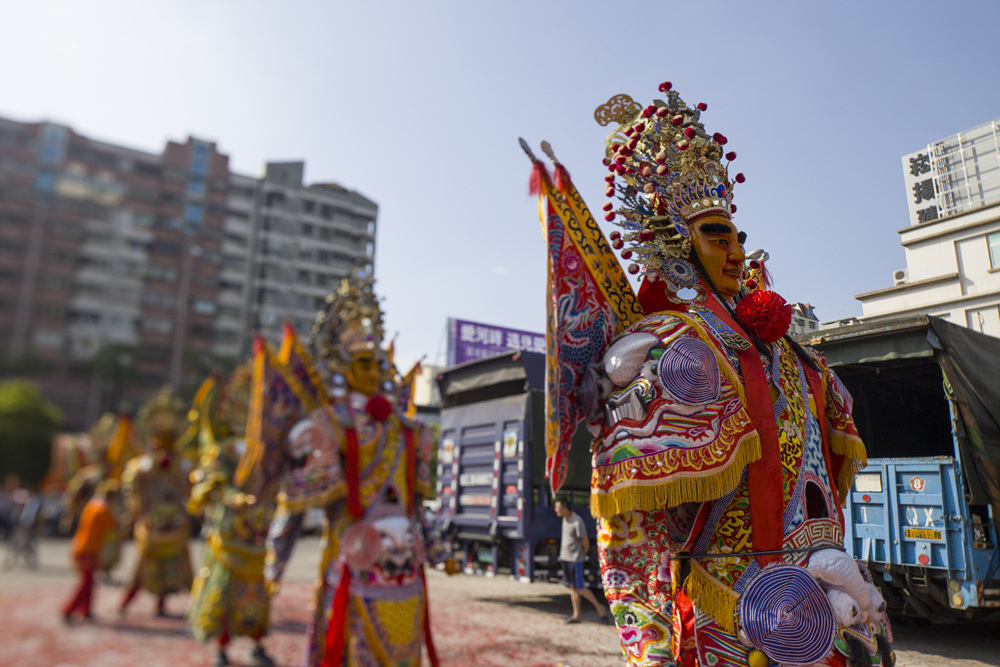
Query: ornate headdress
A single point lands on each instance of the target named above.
(161, 416)
(350, 322)
(671, 174)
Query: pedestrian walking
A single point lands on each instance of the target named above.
(573, 553)
(96, 522)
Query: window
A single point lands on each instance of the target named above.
(203, 307)
(993, 241)
(199, 159)
(193, 213)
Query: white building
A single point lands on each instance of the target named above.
(804, 320)
(952, 245)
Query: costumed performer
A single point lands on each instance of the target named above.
(155, 487)
(228, 598)
(722, 448)
(359, 457)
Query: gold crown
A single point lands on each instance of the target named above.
(671, 174)
(350, 322)
(161, 415)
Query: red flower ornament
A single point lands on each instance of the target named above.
(766, 314)
(380, 408)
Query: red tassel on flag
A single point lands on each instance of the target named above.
(563, 183)
(538, 176)
(765, 275)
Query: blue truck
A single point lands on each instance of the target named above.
(494, 500)
(925, 512)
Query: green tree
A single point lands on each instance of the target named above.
(27, 423)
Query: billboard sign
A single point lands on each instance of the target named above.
(474, 340)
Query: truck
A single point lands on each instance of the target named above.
(494, 500)
(925, 511)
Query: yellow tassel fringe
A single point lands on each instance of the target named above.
(659, 493)
(712, 597)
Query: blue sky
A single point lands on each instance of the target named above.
(418, 105)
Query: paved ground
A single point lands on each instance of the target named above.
(477, 621)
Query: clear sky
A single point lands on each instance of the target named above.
(418, 105)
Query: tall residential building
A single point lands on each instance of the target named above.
(122, 270)
(952, 244)
(307, 239)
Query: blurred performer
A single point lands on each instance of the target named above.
(155, 488)
(229, 597)
(723, 449)
(96, 523)
(361, 458)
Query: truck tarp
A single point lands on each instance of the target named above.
(969, 360)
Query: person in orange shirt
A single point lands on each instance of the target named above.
(96, 521)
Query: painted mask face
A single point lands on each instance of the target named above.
(715, 241)
(362, 374)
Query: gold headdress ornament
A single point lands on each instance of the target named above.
(161, 417)
(671, 174)
(350, 322)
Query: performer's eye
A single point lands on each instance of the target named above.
(629, 618)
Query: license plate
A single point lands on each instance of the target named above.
(922, 534)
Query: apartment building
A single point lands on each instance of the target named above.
(123, 270)
(306, 239)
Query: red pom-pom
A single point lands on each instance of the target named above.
(610, 217)
(717, 137)
(724, 141)
(766, 314)
(662, 112)
(665, 86)
(607, 206)
(740, 178)
(614, 236)
(626, 254)
(702, 106)
(754, 264)
(677, 120)
(732, 208)
(380, 408)
(690, 132)
(731, 155)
